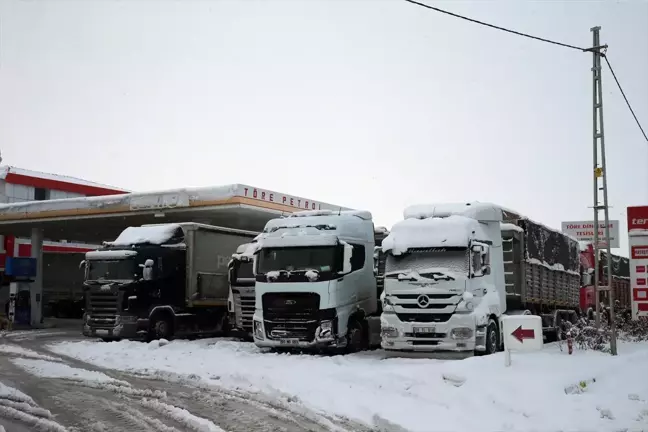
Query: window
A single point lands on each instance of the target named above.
(358, 257)
(19, 192)
(476, 263)
(41, 194)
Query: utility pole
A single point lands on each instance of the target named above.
(600, 184)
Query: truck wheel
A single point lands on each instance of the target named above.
(355, 336)
(492, 337)
(162, 327)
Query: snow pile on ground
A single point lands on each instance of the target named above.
(25, 352)
(48, 369)
(544, 391)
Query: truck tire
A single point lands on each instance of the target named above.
(355, 336)
(492, 337)
(161, 327)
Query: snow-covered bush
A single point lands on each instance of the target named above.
(586, 336)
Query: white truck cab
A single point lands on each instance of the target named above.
(444, 279)
(315, 282)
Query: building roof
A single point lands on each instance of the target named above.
(55, 181)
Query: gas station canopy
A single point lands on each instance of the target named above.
(97, 219)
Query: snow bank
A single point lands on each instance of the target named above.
(477, 394)
(153, 234)
(15, 395)
(48, 369)
(451, 231)
(25, 352)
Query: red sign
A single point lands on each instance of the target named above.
(638, 218)
(521, 334)
(639, 252)
(640, 269)
(641, 281)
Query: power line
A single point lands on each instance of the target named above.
(542, 40)
(624, 97)
(498, 27)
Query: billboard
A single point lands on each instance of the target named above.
(638, 244)
(584, 231)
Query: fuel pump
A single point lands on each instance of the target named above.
(21, 272)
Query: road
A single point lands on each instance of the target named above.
(134, 402)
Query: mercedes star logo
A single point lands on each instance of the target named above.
(423, 301)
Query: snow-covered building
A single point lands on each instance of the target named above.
(23, 185)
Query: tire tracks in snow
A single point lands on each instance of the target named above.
(164, 403)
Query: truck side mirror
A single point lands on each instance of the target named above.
(82, 263)
(346, 260)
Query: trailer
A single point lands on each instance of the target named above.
(620, 279)
(160, 281)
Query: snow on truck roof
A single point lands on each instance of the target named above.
(475, 210)
(152, 234)
(450, 231)
(159, 234)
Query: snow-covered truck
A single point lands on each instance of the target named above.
(241, 295)
(160, 281)
(454, 270)
(316, 288)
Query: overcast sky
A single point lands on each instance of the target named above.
(372, 104)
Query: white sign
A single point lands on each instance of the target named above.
(283, 199)
(521, 333)
(584, 231)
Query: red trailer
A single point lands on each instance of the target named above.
(620, 278)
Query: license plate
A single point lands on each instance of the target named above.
(423, 329)
(102, 332)
(289, 341)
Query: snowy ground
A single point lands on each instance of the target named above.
(545, 391)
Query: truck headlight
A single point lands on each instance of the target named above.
(326, 327)
(258, 329)
(465, 306)
(461, 333)
(388, 306)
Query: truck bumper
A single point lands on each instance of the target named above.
(323, 338)
(456, 335)
(122, 329)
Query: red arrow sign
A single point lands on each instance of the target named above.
(521, 334)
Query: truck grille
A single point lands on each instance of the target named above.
(244, 304)
(103, 308)
(290, 306)
(304, 331)
(423, 317)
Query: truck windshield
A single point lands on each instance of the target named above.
(320, 258)
(431, 263)
(123, 269)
